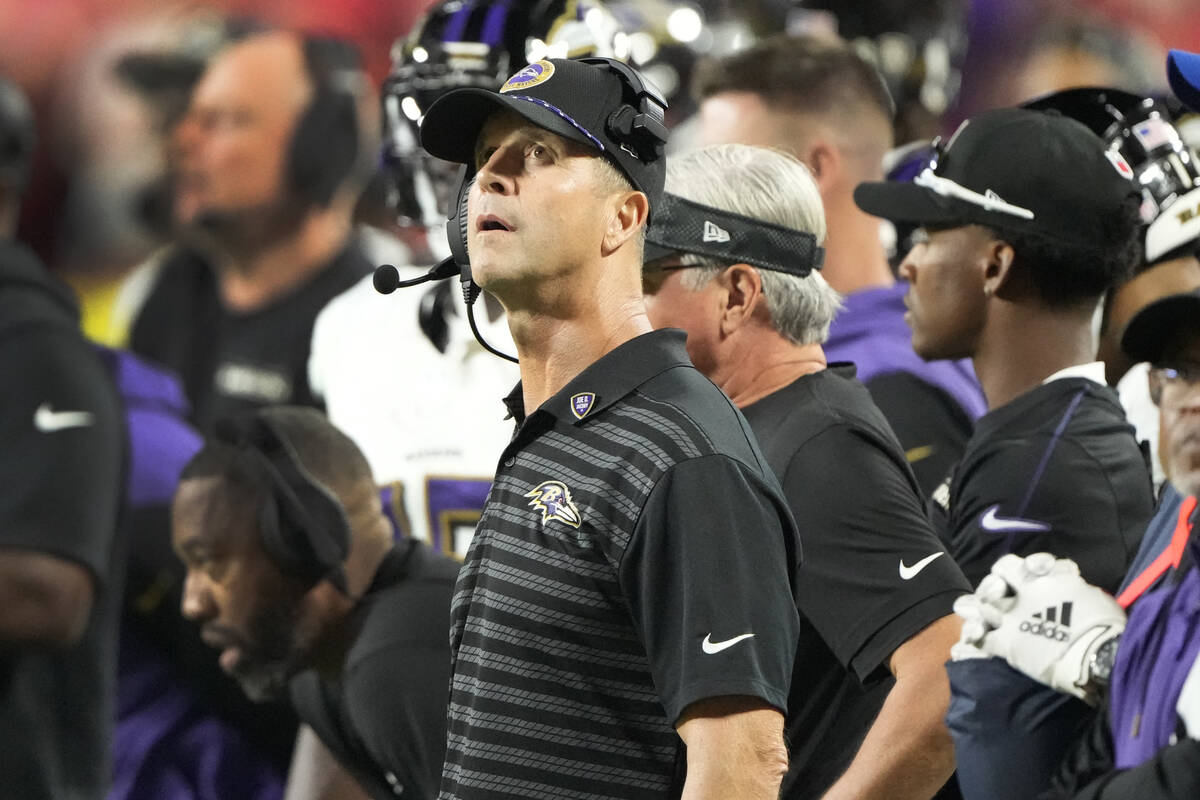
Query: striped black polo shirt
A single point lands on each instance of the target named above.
(634, 557)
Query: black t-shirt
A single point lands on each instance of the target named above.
(1057, 470)
(384, 719)
(926, 419)
(634, 556)
(61, 468)
(229, 361)
(874, 573)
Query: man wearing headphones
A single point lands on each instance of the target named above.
(294, 575)
(623, 625)
(268, 162)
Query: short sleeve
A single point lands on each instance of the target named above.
(707, 575)
(1021, 497)
(874, 573)
(61, 462)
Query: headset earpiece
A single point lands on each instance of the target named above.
(457, 226)
(639, 126)
(302, 525)
(326, 147)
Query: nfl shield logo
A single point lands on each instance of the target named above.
(582, 403)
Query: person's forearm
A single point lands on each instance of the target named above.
(735, 753)
(750, 776)
(316, 774)
(908, 753)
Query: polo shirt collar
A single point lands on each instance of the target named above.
(615, 375)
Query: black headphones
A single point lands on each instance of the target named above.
(639, 124)
(301, 524)
(326, 147)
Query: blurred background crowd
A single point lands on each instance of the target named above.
(106, 79)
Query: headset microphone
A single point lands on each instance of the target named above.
(387, 278)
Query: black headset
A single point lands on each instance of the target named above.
(326, 147)
(637, 124)
(302, 525)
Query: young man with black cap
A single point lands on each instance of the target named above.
(627, 591)
(1027, 220)
(1143, 672)
(869, 689)
(293, 573)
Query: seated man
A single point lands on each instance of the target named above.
(875, 589)
(294, 576)
(1044, 620)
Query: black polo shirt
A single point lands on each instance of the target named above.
(384, 716)
(1056, 470)
(874, 572)
(61, 454)
(634, 557)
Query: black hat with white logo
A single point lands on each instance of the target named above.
(1015, 169)
(597, 102)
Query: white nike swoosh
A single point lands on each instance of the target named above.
(990, 522)
(710, 647)
(47, 420)
(907, 573)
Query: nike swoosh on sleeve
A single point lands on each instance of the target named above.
(991, 521)
(907, 573)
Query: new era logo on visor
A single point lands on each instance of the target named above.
(714, 232)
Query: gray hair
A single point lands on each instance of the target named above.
(772, 186)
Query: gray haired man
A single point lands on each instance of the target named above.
(733, 254)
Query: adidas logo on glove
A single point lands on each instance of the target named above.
(1046, 623)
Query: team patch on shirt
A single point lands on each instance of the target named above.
(582, 403)
(553, 499)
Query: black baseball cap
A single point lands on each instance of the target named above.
(1151, 329)
(1014, 168)
(574, 99)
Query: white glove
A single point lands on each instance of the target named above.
(1041, 617)
(1188, 705)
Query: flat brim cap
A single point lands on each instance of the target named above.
(1152, 328)
(569, 98)
(1183, 72)
(904, 201)
(1054, 175)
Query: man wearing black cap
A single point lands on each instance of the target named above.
(875, 589)
(1144, 672)
(293, 574)
(1027, 220)
(627, 591)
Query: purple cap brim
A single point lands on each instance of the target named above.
(1183, 71)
